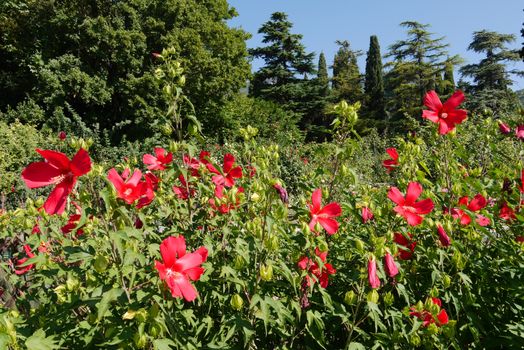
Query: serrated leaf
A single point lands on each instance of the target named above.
(38, 341)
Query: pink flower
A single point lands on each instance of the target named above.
(407, 206)
(443, 237)
(520, 132)
(504, 128)
(445, 115)
(159, 162)
(323, 215)
(390, 265)
(391, 164)
(282, 193)
(373, 279)
(22, 270)
(366, 214)
(179, 268)
(57, 170)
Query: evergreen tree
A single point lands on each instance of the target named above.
(490, 89)
(416, 61)
(346, 76)
(286, 62)
(448, 84)
(374, 81)
(322, 73)
(491, 72)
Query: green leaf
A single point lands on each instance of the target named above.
(38, 341)
(163, 344)
(108, 297)
(355, 346)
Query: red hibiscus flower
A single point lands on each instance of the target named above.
(317, 273)
(373, 279)
(521, 185)
(323, 215)
(229, 173)
(476, 204)
(407, 243)
(445, 115)
(56, 170)
(428, 318)
(506, 212)
(391, 164)
(390, 265)
(24, 269)
(179, 268)
(159, 162)
(366, 214)
(192, 164)
(443, 236)
(185, 190)
(408, 207)
(221, 203)
(132, 189)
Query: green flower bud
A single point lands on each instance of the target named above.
(237, 302)
(389, 299)
(305, 228)
(255, 197)
(266, 272)
(141, 315)
(350, 298)
(414, 339)
(446, 281)
(72, 284)
(140, 340)
(239, 262)
(100, 263)
(434, 292)
(360, 246)
(373, 296)
(449, 329)
(154, 330)
(432, 329)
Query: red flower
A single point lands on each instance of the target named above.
(519, 239)
(62, 135)
(407, 207)
(373, 279)
(324, 216)
(521, 186)
(390, 265)
(221, 204)
(229, 173)
(366, 214)
(391, 164)
(57, 170)
(159, 162)
(443, 236)
(24, 269)
(506, 212)
(316, 273)
(132, 189)
(476, 204)
(72, 224)
(192, 164)
(520, 132)
(409, 244)
(428, 318)
(178, 268)
(445, 115)
(504, 128)
(185, 191)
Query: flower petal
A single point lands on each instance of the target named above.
(454, 101)
(115, 179)
(81, 163)
(392, 153)
(330, 225)
(477, 203)
(396, 196)
(424, 207)
(40, 174)
(229, 161)
(430, 115)
(331, 210)
(57, 159)
(316, 199)
(172, 248)
(413, 191)
(56, 202)
(432, 101)
(188, 261)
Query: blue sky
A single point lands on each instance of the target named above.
(323, 22)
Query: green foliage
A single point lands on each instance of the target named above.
(374, 82)
(91, 61)
(347, 82)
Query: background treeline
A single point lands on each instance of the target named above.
(87, 67)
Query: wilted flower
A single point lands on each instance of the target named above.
(21, 270)
(443, 236)
(504, 128)
(282, 193)
(366, 214)
(409, 244)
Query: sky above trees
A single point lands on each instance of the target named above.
(322, 23)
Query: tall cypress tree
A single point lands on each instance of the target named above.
(374, 81)
(448, 85)
(322, 72)
(346, 76)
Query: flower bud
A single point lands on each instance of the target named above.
(72, 284)
(255, 197)
(266, 272)
(446, 281)
(239, 262)
(373, 296)
(432, 329)
(140, 340)
(350, 298)
(101, 263)
(237, 302)
(360, 246)
(389, 298)
(414, 339)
